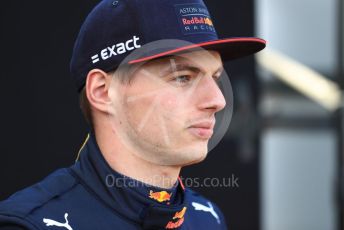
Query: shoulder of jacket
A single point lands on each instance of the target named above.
(195, 196)
(206, 209)
(15, 222)
(23, 202)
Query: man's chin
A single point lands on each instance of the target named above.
(196, 160)
(178, 156)
(192, 156)
(184, 156)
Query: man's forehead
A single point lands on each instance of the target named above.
(203, 60)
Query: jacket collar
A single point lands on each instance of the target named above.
(146, 205)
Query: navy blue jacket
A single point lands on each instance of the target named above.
(90, 195)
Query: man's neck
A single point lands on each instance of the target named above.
(129, 164)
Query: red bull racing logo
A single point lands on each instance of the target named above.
(194, 18)
(160, 196)
(198, 20)
(177, 220)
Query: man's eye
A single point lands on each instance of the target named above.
(217, 78)
(182, 79)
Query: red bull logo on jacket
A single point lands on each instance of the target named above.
(160, 196)
(177, 220)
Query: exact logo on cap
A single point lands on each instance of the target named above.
(194, 19)
(117, 49)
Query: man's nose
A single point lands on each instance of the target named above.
(210, 95)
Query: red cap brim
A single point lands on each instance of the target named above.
(230, 48)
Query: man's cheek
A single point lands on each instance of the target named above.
(173, 113)
(132, 109)
(170, 99)
(169, 103)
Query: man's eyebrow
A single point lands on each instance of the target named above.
(172, 66)
(182, 66)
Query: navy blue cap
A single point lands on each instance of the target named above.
(116, 28)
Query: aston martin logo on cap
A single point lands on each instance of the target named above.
(194, 19)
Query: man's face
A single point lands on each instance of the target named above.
(166, 114)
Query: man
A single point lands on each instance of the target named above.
(148, 74)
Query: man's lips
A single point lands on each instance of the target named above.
(203, 130)
(203, 124)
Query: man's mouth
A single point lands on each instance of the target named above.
(203, 129)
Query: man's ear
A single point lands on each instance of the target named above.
(97, 89)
